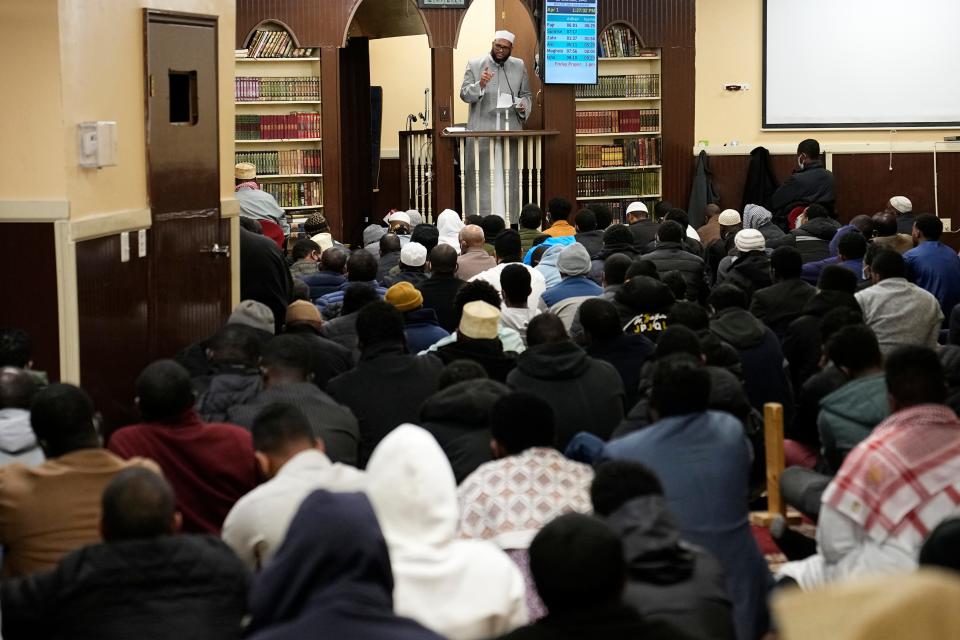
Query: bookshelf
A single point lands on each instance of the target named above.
(619, 144)
(277, 124)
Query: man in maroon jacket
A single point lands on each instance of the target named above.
(209, 465)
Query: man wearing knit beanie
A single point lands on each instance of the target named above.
(575, 285)
(420, 325)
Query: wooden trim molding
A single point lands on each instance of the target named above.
(229, 208)
(67, 302)
(108, 224)
(34, 210)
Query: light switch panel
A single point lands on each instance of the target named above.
(142, 243)
(125, 246)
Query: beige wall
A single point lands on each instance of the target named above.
(402, 67)
(31, 167)
(730, 50)
(102, 70)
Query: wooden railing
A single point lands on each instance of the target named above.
(498, 171)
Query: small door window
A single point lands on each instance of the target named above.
(183, 97)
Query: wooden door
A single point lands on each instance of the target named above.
(189, 278)
(514, 16)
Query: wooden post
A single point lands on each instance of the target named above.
(773, 442)
(773, 445)
(441, 65)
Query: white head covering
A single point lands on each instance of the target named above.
(449, 225)
(415, 217)
(413, 491)
(504, 35)
(901, 203)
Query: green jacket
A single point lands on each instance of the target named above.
(849, 414)
(527, 237)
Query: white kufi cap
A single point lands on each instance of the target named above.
(504, 35)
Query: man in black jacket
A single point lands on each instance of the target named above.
(810, 183)
(264, 275)
(586, 394)
(644, 229)
(670, 255)
(141, 582)
(587, 232)
(579, 569)
(668, 580)
(442, 286)
(778, 305)
(459, 418)
(287, 369)
(388, 385)
(813, 234)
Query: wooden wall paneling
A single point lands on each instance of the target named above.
(113, 319)
(444, 189)
(865, 182)
(330, 121)
(559, 151)
(313, 22)
(389, 196)
(730, 175)
(29, 289)
(948, 189)
(356, 196)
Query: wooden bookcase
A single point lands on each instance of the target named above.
(619, 142)
(288, 154)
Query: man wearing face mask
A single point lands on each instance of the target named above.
(498, 91)
(810, 183)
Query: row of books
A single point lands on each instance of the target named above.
(618, 183)
(618, 208)
(295, 194)
(641, 85)
(275, 44)
(639, 152)
(249, 89)
(619, 41)
(288, 126)
(618, 121)
(289, 162)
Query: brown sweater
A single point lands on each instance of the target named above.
(53, 509)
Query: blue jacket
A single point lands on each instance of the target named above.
(811, 270)
(323, 282)
(562, 241)
(935, 267)
(330, 304)
(571, 287)
(703, 462)
(422, 329)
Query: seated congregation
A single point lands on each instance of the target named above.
(468, 431)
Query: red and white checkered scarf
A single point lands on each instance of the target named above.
(904, 479)
(250, 184)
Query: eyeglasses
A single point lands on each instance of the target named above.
(502, 47)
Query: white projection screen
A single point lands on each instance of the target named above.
(861, 64)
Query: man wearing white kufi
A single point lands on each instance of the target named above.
(498, 91)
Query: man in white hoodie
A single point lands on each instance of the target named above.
(18, 443)
(461, 589)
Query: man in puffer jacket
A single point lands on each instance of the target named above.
(812, 237)
(670, 255)
(668, 579)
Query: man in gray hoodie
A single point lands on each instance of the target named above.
(18, 443)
